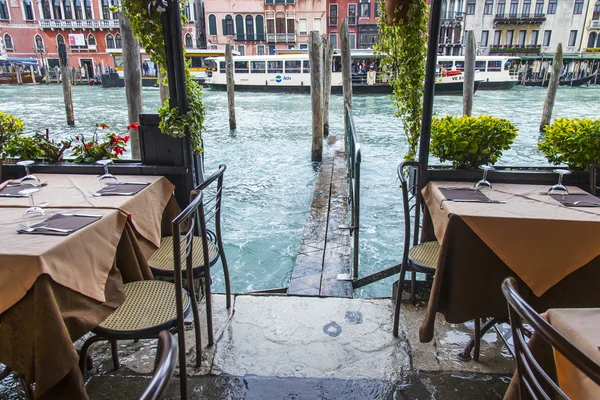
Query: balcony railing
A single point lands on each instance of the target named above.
(595, 24)
(333, 21)
(250, 37)
(352, 21)
(458, 15)
(515, 49)
(281, 37)
(511, 18)
(79, 23)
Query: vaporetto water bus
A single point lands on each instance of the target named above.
(291, 73)
(497, 72)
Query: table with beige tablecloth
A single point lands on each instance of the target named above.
(552, 250)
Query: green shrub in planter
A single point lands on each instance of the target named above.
(575, 142)
(25, 148)
(471, 141)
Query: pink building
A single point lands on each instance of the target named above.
(362, 16)
(259, 27)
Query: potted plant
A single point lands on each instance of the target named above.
(99, 147)
(469, 141)
(402, 50)
(11, 127)
(575, 142)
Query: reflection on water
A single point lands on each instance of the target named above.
(270, 178)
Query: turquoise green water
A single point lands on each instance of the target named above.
(269, 179)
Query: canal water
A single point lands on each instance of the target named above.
(270, 178)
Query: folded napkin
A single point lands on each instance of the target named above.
(11, 191)
(577, 200)
(470, 195)
(122, 189)
(72, 222)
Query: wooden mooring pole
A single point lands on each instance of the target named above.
(552, 87)
(230, 86)
(327, 66)
(31, 71)
(66, 83)
(469, 74)
(316, 93)
(19, 76)
(346, 73)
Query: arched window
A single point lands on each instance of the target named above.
(260, 27)
(60, 39)
(212, 25)
(56, 9)
(596, 14)
(118, 41)
(592, 40)
(4, 14)
(78, 9)
(91, 40)
(39, 43)
(8, 43)
(280, 22)
(249, 27)
(189, 43)
(228, 25)
(239, 27)
(68, 9)
(110, 41)
(598, 41)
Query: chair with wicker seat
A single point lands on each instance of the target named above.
(161, 262)
(165, 363)
(417, 257)
(153, 306)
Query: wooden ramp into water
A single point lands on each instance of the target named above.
(325, 250)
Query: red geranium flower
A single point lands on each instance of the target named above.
(127, 138)
(76, 137)
(134, 125)
(89, 144)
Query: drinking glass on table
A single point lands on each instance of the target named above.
(107, 178)
(28, 179)
(484, 182)
(559, 188)
(33, 211)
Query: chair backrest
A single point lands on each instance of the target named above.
(164, 366)
(594, 178)
(533, 381)
(409, 173)
(213, 195)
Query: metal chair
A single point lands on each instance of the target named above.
(153, 306)
(161, 262)
(417, 257)
(534, 382)
(166, 361)
(594, 179)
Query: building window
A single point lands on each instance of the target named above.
(572, 38)
(352, 39)
(333, 41)
(46, 13)
(189, 43)
(68, 9)
(118, 41)
(260, 51)
(578, 9)
(514, 8)
(241, 50)
(105, 9)
(28, 10)
(291, 26)
(249, 27)
(317, 25)
(110, 41)
(212, 25)
(91, 40)
(484, 38)
(534, 37)
(365, 9)
(501, 7)
(303, 46)
(521, 39)
(596, 14)
(333, 15)
(552, 7)
(497, 36)
(302, 27)
(239, 27)
(78, 10)
(526, 8)
(228, 25)
(488, 7)
(547, 37)
(56, 9)
(351, 14)
(509, 37)
(539, 8)
(591, 40)
(8, 43)
(260, 27)
(39, 43)
(471, 7)
(88, 9)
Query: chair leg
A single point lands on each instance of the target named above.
(413, 278)
(477, 339)
(84, 350)
(115, 354)
(182, 358)
(226, 276)
(208, 294)
(196, 314)
(26, 388)
(398, 301)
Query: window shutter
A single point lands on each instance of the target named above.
(224, 27)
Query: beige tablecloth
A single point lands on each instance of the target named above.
(541, 240)
(80, 261)
(144, 210)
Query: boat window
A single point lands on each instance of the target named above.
(306, 66)
(258, 67)
(210, 64)
(446, 64)
(494, 66)
(222, 66)
(480, 66)
(292, 67)
(241, 67)
(275, 66)
(460, 65)
(196, 62)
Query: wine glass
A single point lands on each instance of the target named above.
(107, 178)
(559, 187)
(33, 210)
(484, 182)
(29, 179)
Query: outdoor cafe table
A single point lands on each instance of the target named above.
(580, 326)
(552, 250)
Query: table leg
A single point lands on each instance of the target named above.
(465, 355)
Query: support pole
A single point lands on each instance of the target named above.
(19, 76)
(316, 91)
(162, 88)
(552, 87)
(327, 65)
(132, 70)
(33, 82)
(346, 73)
(230, 86)
(469, 74)
(47, 75)
(432, 45)
(66, 83)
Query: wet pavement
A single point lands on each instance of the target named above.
(283, 347)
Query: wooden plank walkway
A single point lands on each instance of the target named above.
(325, 250)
